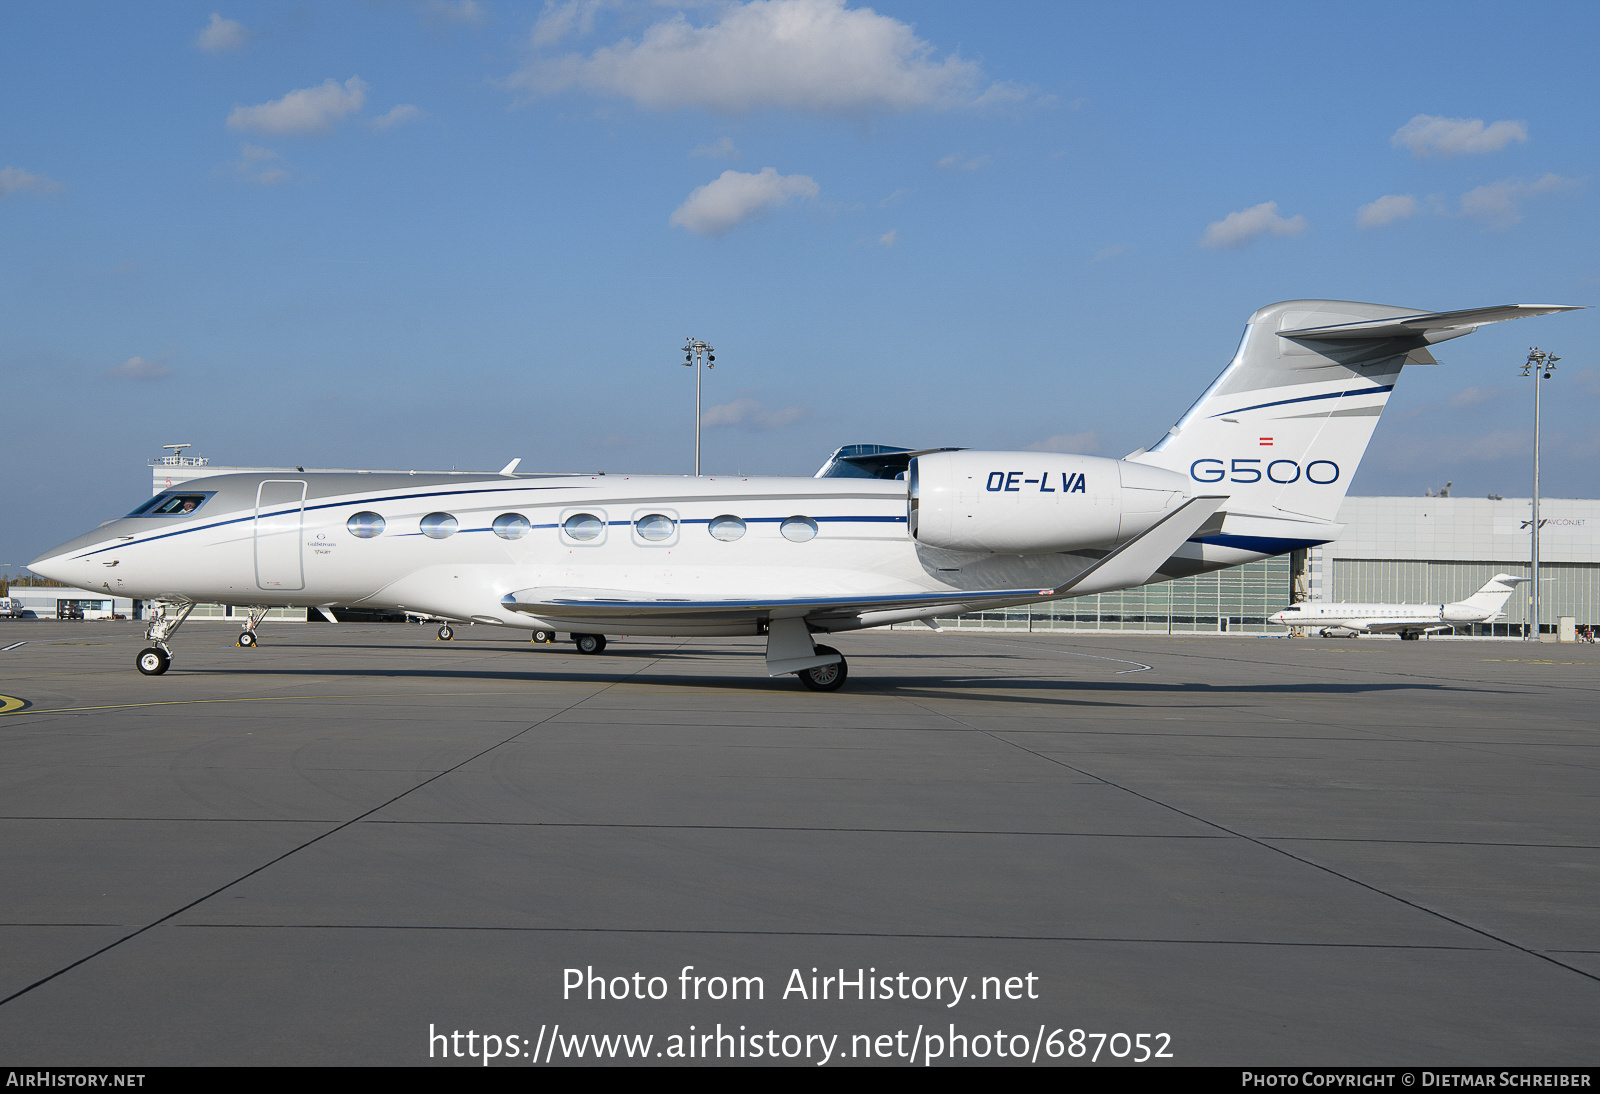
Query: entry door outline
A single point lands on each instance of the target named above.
(279, 565)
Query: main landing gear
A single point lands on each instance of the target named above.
(155, 660)
(825, 677)
(590, 643)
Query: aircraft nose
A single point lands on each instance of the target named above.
(59, 566)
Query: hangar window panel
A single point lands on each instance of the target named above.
(365, 525)
(655, 527)
(511, 526)
(583, 527)
(798, 529)
(726, 528)
(439, 525)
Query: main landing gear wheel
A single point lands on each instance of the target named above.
(590, 643)
(153, 661)
(543, 636)
(825, 677)
(445, 633)
(247, 639)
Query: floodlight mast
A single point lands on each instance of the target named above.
(695, 354)
(1539, 365)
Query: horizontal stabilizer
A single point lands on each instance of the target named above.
(1404, 325)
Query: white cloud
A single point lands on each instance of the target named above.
(890, 238)
(400, 115)
(560, 20)
(750, 414)
(1475, 396)
(137, 368)
(221, 35)
(1499, 204)
(959, 159)
(307, 110)
(1237, 229)
(735, 196)
(813, 56)
(14, 180)
(467, 12)
(1078, 443)
(1431, 135)
(896, 197)
(259, 165)
(1386, 210)
(724, 149)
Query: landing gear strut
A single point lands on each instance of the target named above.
(155, 660)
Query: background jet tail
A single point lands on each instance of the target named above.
(1492, 597)
(1284, 427)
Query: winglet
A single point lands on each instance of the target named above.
(1137, 561)
(509, 469)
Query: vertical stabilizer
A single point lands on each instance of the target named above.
(1282, 430)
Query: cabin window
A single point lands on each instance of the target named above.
(583, 527)
(726, 528)
(798, 529)
(655, 527)
(439, 525)
(511, 526)
(365, 525)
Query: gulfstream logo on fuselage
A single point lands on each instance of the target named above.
(1012, 482)
(1321, 472)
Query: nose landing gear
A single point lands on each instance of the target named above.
(155, 660)
(445, 633)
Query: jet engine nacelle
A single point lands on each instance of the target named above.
(1026, 502)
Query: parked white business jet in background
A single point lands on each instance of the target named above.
(1409, 621)
(1257, 467)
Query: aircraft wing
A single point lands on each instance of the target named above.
(1393, 626)
(1424, 322)
(600, 605)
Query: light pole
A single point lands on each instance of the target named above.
(696, 353)
(1539, 365)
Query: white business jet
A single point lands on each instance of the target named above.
(1409, 621)
(1257, 467)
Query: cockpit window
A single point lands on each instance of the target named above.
(172, 505)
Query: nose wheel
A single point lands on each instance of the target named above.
(247, 639)
(445, 633)
(153, 661)
(543, 636)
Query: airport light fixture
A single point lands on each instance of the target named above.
(1540, 365)
(695, 354)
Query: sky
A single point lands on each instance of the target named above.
(441, 234)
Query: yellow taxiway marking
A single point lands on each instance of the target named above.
(8, 703)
